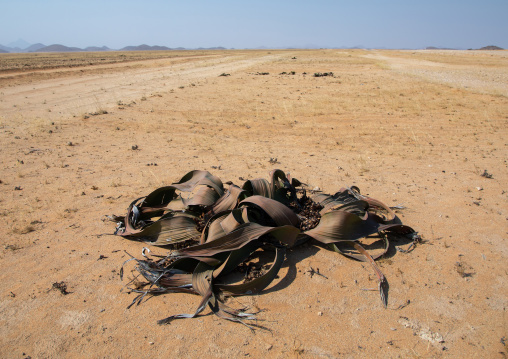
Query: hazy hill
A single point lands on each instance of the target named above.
(19, 44)
(11, 49)
(58, 48)
(144, 48)
(34, 47)
(96, 48)
(212, 48)
(439, 48)
(491, 47)
(2, 51)
(18, 49)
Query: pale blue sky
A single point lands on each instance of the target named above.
(250, 24)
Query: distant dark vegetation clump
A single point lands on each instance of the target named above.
(323, 74)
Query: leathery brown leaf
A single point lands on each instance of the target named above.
(218, 236)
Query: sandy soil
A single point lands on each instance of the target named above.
(419, 129)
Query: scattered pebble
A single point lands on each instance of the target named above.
(320, 313)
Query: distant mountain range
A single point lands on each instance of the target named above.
(23, 46)
(62, 48)
(490, 47)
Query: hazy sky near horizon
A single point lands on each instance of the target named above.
(251, 24)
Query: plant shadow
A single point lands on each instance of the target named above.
(293, 256)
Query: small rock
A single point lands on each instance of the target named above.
(479, 188)
(320, 313)
(135, 147)
(269, 347)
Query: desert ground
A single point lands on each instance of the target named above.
(82, 135)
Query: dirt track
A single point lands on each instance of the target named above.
(403, 131)
(80, 94)
(487, 79)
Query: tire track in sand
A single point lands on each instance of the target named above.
(84, 93)
(484, 80)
